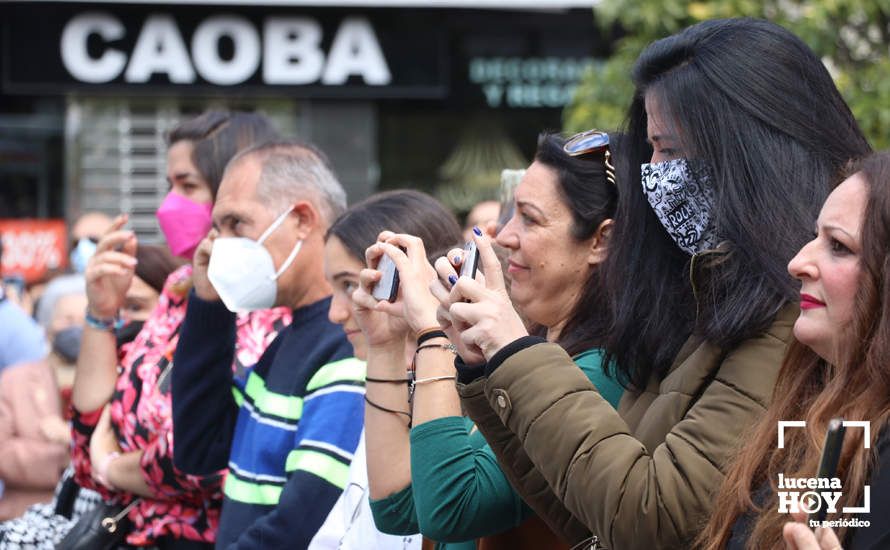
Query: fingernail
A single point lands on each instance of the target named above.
(477, 231)
(452, 279)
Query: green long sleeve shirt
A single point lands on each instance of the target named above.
(458, 492)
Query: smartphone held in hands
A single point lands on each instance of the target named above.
(831, 453)
(470, 261)
(387, 288)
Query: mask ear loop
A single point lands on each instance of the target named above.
(293, 254)
(289, 259)
(275, 225)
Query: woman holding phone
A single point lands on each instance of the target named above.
(375, 338)
(841, 349)
(436, 473)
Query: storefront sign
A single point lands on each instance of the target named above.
(527, 82)
(33, 247)
(289, 51)
(332, 54)
(501, 59)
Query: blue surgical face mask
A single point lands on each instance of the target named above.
(67, 343)
(681, 195)
(81, 254)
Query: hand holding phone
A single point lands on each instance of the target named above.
(387, 288)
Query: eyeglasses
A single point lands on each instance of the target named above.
(592, 141)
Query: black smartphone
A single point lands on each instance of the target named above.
(387, 288)
(831, 453)
(470, 262)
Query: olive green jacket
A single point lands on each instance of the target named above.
(639, 478)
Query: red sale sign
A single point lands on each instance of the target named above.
(32, 247)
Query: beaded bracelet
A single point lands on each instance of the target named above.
(101, 324)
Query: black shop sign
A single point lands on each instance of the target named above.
(335, 53)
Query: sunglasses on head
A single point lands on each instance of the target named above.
(590, 142)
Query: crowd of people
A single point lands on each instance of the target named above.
(603, 361)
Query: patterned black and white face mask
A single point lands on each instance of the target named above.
(681, 195)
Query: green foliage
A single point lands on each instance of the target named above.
(851, 36)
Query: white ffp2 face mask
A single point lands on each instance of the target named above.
(243, 273)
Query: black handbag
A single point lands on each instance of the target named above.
(103, 528)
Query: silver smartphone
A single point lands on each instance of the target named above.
(387, 288)
(470, 260)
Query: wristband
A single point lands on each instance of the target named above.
(387, 380)
(102, 324)
(429, 334)
(100, 471)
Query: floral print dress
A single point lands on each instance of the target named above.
(185, 506)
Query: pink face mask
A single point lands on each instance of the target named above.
(184, 223)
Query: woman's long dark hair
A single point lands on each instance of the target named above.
(400, 211)
(751, 100)
(592, 200)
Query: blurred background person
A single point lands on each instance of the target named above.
(485, 215)
(21, 339)
(45, 524)
(61, 313)
(86, 231)
(154, 264)
(34, 434)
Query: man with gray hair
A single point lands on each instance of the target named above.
(288, 431)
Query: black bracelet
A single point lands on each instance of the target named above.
(430, 335)
(387, 380)
(384, 409)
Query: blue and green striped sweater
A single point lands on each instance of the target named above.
(286, 433)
